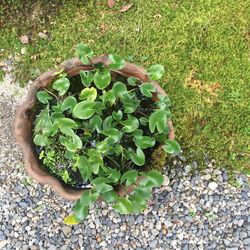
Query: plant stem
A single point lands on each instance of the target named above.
(51, 93)
(113, 161)
(139, 112)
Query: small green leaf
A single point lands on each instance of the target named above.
(138, 158)
(114, 134)
(84, 110)
(84, 53)
(155, 72)
(102, 78)
(143, 121)
(41, 140)
(130, 125)
(101, 186)
(108, 97)
(138, 203)
(80, 212)
(119, 88)
(172, 147)
(117, 62)
(88, 197)
(109, 196)
(95, 123)
(84, 167)
(145, 192)
(147, 89)
(132, 81)
(71, 220)
(158, 119)
(43, 97)
(117, 115)
(107, 123)
(69, 103)
(164, 102)
(123, 205)
(114, 175)
(95, 160)
(88, 94)
(152, 179)
(87, 77)
(61, 85)
(144, 141)
(130, 177)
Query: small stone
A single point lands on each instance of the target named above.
(158, 225)
(66, 230)
(220, 178)
(23, 51)
(240, 222)
(24, 39)
(52, 247)
(227, 242)
(246, 241)
(180, 236)
(207, 177)
(153, 244)
(166, 181)
(212, 185)
(243, 235)
(43, 35)
(105, 212)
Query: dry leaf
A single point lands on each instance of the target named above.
(111, 3)
(126, 7)
(24, 39)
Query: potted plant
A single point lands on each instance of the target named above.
(97, 128)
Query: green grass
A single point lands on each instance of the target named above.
(204, 46)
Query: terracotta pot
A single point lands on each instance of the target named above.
(24, 116)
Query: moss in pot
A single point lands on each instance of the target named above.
(99, 130)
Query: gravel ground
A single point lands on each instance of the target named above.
(194, 211)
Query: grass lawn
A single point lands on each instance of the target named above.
(203, 45)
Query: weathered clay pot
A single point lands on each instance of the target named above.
(24, 115)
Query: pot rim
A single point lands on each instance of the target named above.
(23, 119)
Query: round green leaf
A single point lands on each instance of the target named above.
(116, 62)
(158, 119)
(95, 123)
(130, 125)
(101, 186)
(80, 212)
(41, 140)
(69, 103)
(102, 78)
(109, 196)
(152, 179)
(88, 94)
(155, 72)
(138, 158)
(61, 85)
(84, 53)
(43, 97)
(144, 141)
(117, 115)
(130, 177)
(123, 205)
(119, 88)
(132, 81)
(172, 147)
(114, 134)
(84, 110)
(147, 89)
(87, 77)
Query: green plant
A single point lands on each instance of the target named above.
(105, 130)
